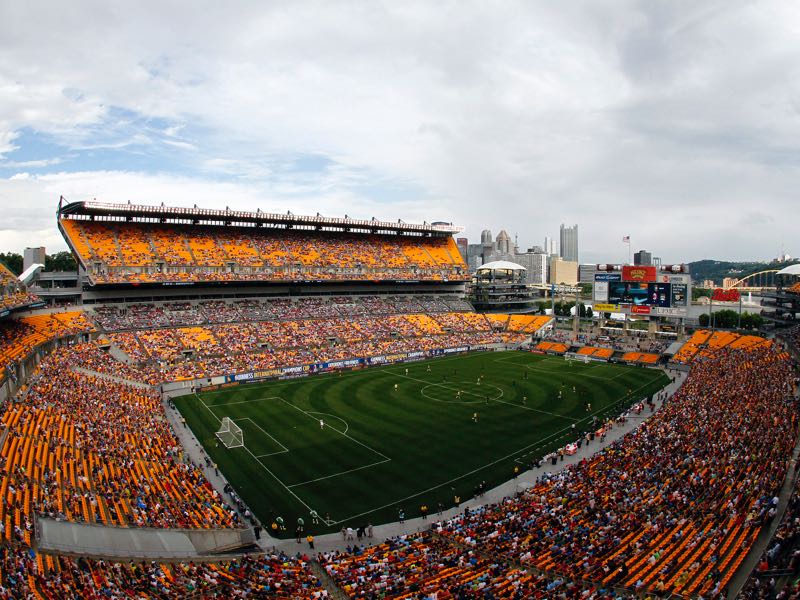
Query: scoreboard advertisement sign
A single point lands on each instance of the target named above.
(641, 274)
(603, 307)
(680, 296)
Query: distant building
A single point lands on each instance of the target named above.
(568, 248)
(535, 261)
(563, 271)
(503, 246)
(474, 256)
(462, 244)
(643, 257)
(728, 282)
(586, 273)
(549, 245)
(32, 256)
(708, 283)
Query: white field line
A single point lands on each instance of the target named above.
(506, 457)
(447, 387)
(263, 466)
(285, 449)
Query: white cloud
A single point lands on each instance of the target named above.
(669, 121)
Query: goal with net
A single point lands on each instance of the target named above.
(230, 434)
(571, 357)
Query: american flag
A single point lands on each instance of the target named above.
(626, 239)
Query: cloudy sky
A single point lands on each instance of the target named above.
(674, 122)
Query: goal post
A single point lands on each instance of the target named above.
(230, 434)
(574, 357)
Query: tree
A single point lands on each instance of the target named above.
(589, 312)
(582, 310)
(542, 306)
(60, 261)
(13, 261)
(704, 320)
(700, 292)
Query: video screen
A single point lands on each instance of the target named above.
(626, 292)
(659, 294)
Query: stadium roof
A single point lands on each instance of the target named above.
(501, 265)
(790, 270)
(168, 214)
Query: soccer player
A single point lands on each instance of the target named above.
(321, 424)
(406, 374)
(475, 417)
(524, 401)
(395, 385)
(428, 369)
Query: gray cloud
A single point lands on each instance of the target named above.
(673, 122)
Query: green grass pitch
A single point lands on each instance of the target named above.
(401, 436)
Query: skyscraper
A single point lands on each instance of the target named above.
(569, 243)
(462, 244)
(503, 242)
(643, 257)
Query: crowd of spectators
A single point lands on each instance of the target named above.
(207, 312)
(137, 252)
(423, 565)
(90, 449)
(19, 337)
(704, 343)
(672, 506)
(12, 295)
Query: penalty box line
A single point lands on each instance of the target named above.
(263, 466)
(384, 458)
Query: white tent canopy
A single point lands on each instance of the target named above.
(790, 270)
(501, 265)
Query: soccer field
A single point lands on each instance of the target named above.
(403, 435)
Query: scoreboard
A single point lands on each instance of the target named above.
(646, 290)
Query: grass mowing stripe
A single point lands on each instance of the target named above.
(429, 450)
(260, 463)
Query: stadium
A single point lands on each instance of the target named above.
(280, 406)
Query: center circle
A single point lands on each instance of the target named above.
(468, 391)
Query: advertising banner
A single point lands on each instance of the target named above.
(602, 307)
(640, 310)
(729, 295)
(607, 277)
(642, 274)
(669, 312)
(680, 294)
(601, 291)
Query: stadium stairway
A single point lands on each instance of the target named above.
(110, 377)
(335, 592)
